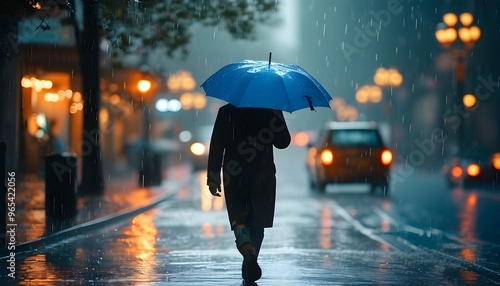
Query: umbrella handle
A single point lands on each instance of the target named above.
(270, 59)
(309, 100)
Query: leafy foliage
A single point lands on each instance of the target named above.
(27, 8)
(128, 25)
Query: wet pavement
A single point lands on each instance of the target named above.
(122, 198)
(342, 237)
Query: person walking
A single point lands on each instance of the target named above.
(242, 147)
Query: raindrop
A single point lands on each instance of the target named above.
(216, 29)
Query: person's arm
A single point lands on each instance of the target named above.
(278, 125)
(216, 154)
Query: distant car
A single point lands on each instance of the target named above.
(467, 171)
(349, 152)
(198, 146)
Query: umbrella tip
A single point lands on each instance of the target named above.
(270, 53)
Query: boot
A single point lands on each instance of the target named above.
(250, 269)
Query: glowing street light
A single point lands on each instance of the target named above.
(369, 94)
(387, 77)
(144, 85)
(457, 35)
(149, 169)
(469, 100)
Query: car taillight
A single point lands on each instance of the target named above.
(496, 161)
(197, 148)
(456, 171)
(473, 170)
(326, 157)
(386, 157)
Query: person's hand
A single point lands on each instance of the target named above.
(214, 189)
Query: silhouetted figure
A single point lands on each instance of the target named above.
(242, 145)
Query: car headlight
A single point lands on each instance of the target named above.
(496, 161)
(473, 170)
(456, 171)
(326, 157)
(386, 157)
(197, 149)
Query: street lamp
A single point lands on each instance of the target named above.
(150, 165)
(144, 86)
(457, 35)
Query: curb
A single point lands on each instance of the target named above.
(105, 221)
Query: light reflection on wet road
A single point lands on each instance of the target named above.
(421, 234)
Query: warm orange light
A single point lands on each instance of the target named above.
(144, 85)
(464, 34)
(197, 148)
(469, 100)
(181, 81)
(441, 35)
(386, 157)
(375, 94)
(471, 200)
(381, 75)
(451, 35)
(496, 161)
(313, 151)
(473, 170)
(187, 100)
(301, 139)
(326, 157)
(396, 79)
(199, 101)
(456, 171)
(361, 95)
(466, 19)
(450, 19)
(475, 33)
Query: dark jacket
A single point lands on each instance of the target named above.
(243, 140)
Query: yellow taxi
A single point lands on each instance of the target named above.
(349, 152)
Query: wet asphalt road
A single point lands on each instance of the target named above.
(423, 233)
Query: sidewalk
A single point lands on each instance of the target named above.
(122, 199)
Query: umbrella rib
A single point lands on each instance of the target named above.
(288, 97)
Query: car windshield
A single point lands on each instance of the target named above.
(355, 137)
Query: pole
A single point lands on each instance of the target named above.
(150, 165)
(460, 70)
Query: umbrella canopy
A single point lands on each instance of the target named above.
(266, 85)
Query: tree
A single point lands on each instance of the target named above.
(153, 24)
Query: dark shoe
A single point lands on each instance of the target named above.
(251, 269)
(248, 283)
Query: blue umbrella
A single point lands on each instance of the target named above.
(266, 85)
